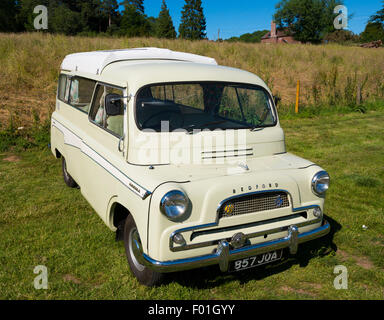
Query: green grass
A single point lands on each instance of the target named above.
(42, 222)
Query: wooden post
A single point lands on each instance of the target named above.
(297, 96)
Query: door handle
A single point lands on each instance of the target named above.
(119, 145)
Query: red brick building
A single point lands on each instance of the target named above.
(278, 36)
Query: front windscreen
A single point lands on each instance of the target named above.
(205, 105)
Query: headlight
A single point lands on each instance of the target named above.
(320, 183)
(175, 205)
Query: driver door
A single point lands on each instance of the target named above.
(105, 148)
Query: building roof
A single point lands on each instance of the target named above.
(94, 62)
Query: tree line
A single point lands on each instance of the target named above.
(313, 21)
(91, 17)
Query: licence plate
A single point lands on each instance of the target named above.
(255, 261)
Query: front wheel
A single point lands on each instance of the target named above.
(143, 274)
(67, 177)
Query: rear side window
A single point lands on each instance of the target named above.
(80, 93)
(62, 88)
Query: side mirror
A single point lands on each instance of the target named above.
(276, 99)
(113, 104)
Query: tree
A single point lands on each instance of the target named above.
(307, 20)
(373, 31)
(342, 37)
(193, 23)
(110, 10)
(8, 13)
(138, 4)
(93, 18)
(254, 37)
(65, 21)
(378, 17)
(165, 27)
(133, 22)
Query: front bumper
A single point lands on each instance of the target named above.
(224, 253)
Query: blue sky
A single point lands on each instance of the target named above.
(235, 17)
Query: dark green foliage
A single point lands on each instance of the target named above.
(25, 16)
(165, 27)
(63, 20)
(21, 139)
(308, 20)
(378, 17)
(134, 23)
(92, 17)
(109, 9)
(254, 37)
(373, 31)
(341, 37)
(138, 4)
(193, 23)
(8, 12)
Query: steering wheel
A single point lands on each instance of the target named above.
(175, 119)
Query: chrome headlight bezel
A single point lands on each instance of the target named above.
(175, 205)
(320, 183)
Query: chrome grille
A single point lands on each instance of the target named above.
(254, 203)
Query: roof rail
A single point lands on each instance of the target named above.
(94, 62)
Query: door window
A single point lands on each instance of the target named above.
(110, 121)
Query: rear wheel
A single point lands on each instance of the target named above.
(67, 177)
(143, 274)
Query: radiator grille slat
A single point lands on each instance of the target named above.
(254, 203)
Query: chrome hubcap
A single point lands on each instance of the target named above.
(134, 235)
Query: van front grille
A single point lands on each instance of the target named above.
(253, 203)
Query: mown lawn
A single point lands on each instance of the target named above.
(42, 222)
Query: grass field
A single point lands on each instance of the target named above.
(330, 75)
(42, 222)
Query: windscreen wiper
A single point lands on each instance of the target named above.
(256, 128)
(190, 129)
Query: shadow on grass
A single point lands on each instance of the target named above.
(211, 277)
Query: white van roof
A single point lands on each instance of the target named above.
(94, 62)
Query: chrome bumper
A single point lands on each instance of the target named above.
(224, 254)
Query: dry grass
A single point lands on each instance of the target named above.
(30, 62)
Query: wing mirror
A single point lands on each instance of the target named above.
(113, 104)
(277, 100)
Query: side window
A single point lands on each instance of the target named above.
(62, 88)
(80, 93)
(110, 119)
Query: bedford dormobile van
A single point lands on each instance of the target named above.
(185, 160)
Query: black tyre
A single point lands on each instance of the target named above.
(67, 177)
(143, 274)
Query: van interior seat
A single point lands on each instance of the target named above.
(116, 124)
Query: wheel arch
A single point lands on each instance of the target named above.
(117, 212)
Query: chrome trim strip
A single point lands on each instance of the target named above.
(248, 236)
(246, 225)
(72, 139)
(221, 256)
(216, 222)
